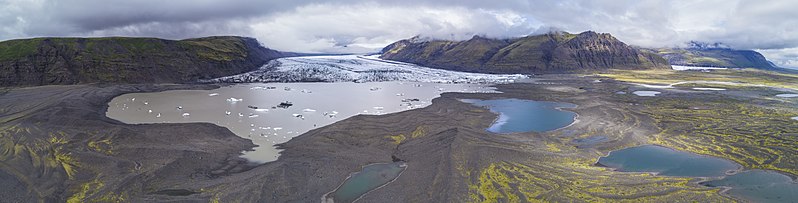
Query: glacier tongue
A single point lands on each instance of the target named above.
(357, 68)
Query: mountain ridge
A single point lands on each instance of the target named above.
(63, 61)
(555, 52)
(715, 56)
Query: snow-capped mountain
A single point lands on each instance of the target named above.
(357, 68)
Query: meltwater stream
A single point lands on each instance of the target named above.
(272, 113)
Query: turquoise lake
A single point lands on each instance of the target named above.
(667, 162)
(517, 115)
(370, 178)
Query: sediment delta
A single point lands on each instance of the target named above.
(61, 146)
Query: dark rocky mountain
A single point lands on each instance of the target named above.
(715, 55)
(51, 61)
(556, 52)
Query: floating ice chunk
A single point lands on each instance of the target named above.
(309, 110)
(253, 115)
(158, 116)
(400, 94)
(334, 113)
(378, 108)
(179, 107)
(213, 94)
(186, 114)
(375, 88)
(134, 99)
(234, 100)
(240, 115)
(227, 113)
(287, 89)
(277, 128)
(261, 110)
(306, 91)
(146, 103)
(149, 111)
(251, 125)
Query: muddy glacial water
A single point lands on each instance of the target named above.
(254, 111)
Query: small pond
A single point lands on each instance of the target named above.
(787, 95)
(759, 186)
(516, 115)
(666, 161)
(646, 93)
(751, 185)
(370, 178)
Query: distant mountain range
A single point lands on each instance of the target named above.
(715, 57)
(49, 61)
(55, 61)
(555, 52)
(560, 52)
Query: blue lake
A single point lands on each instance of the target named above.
(759, 186)
(516, 115)
(667, 162)
(369, 178)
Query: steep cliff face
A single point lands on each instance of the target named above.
(716, 57)
(549, 53)
(50, 61)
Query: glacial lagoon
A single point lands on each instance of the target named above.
(254, 111)
(516, 115)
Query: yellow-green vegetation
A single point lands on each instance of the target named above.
(420, 131)
(18, 48)
(755, 136)
(217, 48)
(91, 189)
(744, 77)
(42, 153)
(104, 146)
(397, 139)
(571, 180)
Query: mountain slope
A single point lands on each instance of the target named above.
(715, 57)
(549, 53)
(50, 61)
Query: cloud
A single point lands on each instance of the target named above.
(786, 58)
(322, 26)
(315, 28)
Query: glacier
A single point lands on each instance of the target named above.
(357, 68)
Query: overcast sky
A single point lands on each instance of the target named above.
(770, 27)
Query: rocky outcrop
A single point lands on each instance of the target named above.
(58, 61)
(556, 52)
